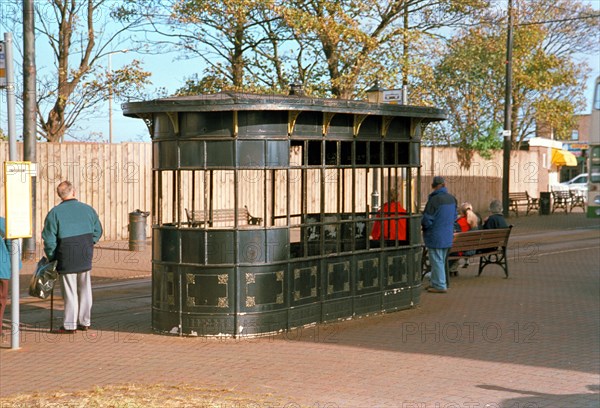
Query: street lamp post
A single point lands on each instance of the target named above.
(110, 94)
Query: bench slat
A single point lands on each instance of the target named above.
(226, 215)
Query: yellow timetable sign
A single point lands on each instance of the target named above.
(17, 193)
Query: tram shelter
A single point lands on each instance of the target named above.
(264, 207)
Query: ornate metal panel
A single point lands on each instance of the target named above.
(338, 277)
(207, 290)
(264, 288)
(368, 273)
(397, 269)
(305, 283)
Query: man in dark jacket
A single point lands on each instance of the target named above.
(438, 232)
(70, 231)
(496, 219)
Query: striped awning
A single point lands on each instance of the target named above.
(563, 158)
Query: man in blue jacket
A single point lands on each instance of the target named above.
(70, 231)
(438, 232)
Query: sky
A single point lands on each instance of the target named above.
(169, 73)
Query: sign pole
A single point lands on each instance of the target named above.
(15, 253)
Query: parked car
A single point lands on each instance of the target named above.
(577, 184)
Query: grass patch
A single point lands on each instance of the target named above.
(142, 396)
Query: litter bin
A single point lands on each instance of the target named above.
(544, 203)
(137, 230)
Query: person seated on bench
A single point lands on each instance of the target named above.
(467, 220)
(392, 229)
(495, 220)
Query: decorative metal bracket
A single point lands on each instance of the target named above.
(148, 121)
(235, 124)
(292, 117)
(385, 124)
(414, 124)
(327, 117)
(358, 120)
(174, 118)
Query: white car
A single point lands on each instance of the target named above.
(577, 184)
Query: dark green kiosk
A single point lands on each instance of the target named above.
(264, 208)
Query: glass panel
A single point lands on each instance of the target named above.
(296, 153)
(312, 195)
(191, 154)
(314, 153)
(193, 200)
(331, 153)
(165, 154)
(219, 154)
(251, 153)
(389, 154)
(253, 198)
(221, 193)
(280, 197)
(375, 153)
(346, 154)
(166, 197)
(361, 153)
(278, 153)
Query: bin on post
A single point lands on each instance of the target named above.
(137, 230)
(544, 203)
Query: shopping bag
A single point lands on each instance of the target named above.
(43, 279)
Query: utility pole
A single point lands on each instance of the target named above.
(405, 43)
(110, 95)
(29, 113)
(507, 112)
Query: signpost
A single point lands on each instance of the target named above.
(17, 180)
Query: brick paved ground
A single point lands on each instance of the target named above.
(532, 339)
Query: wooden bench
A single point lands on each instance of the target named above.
(522, 199)
(489, 245)
(561, 199)
(577, 200)
(228, 215)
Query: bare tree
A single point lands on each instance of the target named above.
(80, 34)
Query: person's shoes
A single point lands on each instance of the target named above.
(81, 327)
(436, 290)
(62, 330)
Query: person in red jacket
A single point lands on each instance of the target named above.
(467, 220)
(393, 228)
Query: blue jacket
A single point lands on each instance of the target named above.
(5, 271)
(70, 231)
(438, 219)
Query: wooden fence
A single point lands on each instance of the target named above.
(117, 179)
(114, 179)
(482, 181)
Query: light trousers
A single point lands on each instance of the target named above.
(77, 294)
(437, 259)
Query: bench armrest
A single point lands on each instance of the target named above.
(254, 220)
